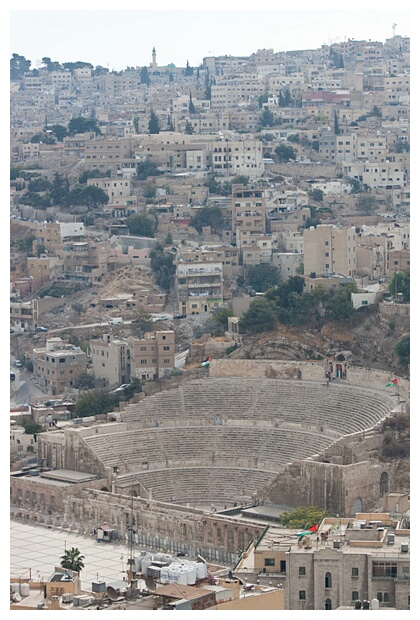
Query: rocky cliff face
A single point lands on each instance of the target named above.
(371, 342)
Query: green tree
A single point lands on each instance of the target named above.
(147, 169)
(303, 517)
(285, 152)
(149, 191)
(267, 118)
(213, 184)
(207, 92)
(162, 265)
(73, 560)
(263, 98)
(83, 125)
(93, 174)
(189, 129)
(207, 216)
(191, 106)
(367, 204)
(188, 70)
(141, 224)
(154, 126)
(316, 194)
(30, 427)
(18, 66)
(95, 402)
(241, 179)
(59, 131)
(39, 184)
(400, 285)
(42, 138)
(85, 381)
(260, 317)
(78, 307)
(340, 307)
(294, 137)
(143, 320)
(262, 277)
(402, 349)
(336, 125)
(219, 320)
(144, 77)
(59, 189)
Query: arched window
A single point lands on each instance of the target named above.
(328, 603)
(383, 484)
(357, 505)
(328, 580)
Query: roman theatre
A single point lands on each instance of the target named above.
(244, 433)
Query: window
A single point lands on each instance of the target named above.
(328, 603)
(355, 595)
(384, 569)
(302, 595)
(269, 562)
(328, 580)
(354, 571)
(166, 348)
(302, 571)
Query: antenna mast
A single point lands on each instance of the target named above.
(393, 29)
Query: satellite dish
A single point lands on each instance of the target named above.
(150, 584)
(113, 593)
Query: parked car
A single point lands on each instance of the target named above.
(121, 388)
(18, 364)
(162, 318)
(180, 316)
(41, 329)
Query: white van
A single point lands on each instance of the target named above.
(115, 321)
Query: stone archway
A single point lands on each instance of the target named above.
(357, 505)
(383, 484)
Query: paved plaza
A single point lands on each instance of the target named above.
(36, 550)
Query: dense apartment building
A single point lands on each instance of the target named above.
(58, 365)
(248, 212)
(88, 260)
(330, 250)
(109, 360)
(233, 157)
(152, 356)
(199, 286)
(348, 562)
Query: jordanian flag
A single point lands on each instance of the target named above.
(393, 382)
(310, 530)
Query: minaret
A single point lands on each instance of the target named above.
(153, 66)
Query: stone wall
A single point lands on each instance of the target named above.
(306, 171)
(331, 487)
(306, 371)
(161, 525)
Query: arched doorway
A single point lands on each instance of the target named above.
(328, 603)
(383, 484)
(357, 505)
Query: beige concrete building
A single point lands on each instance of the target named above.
(329, 250)
(199, 286)
(152, 356)
(109, 360)
(233, 157)
(348, 560)
(248, 211)
(58, 365)
(23, 315)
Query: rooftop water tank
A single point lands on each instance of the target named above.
(24, 589)
(375, 604)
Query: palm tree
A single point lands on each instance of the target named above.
(73, 560)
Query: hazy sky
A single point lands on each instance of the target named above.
(117, 39)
